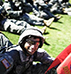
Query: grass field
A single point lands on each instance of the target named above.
(58, 36)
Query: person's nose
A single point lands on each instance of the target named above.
(32, 46)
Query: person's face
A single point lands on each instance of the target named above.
(31, 45)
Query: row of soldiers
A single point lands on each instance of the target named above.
(15, 15)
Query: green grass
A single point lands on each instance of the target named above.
(59, 36)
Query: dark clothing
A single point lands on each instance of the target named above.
(17, 61)
(17, 12)
(24, 64)
(58, 5)
(12, 25)
(44, 10)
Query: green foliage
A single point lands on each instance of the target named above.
(58, 36)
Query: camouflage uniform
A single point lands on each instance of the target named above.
(44, 10)
(4, 42)
(12, 25)
(23, 64)
(64, 3)
(58, 5)
(16, 11)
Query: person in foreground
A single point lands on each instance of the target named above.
(27, 57)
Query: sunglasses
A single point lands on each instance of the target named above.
(32, 41)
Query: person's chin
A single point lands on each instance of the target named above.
(30, 53)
